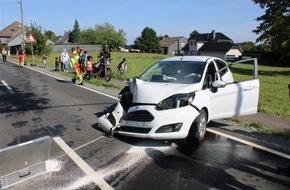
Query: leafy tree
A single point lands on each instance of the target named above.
(148, 41)
(193, 33)
(75, 35)
(247, 46)
(161, 37)
(104, 34)
(274, 28)
(40, 45)
(49, 34)
(89, 36)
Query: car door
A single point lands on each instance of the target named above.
(235, 98)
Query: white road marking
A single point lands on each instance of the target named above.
(8, 87)
(113, 97)
(249, 143)
(12, 92)
(91, 174)
(88, 143)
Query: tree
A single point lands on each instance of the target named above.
(161, 37)
(247, 46)
(40, 46)
(49, 34)
(104, 34)
(274, 28)
(75, 35)
(148, 41)
(193, 33)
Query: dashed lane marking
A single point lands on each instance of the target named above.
(91, 174)
(7, 86)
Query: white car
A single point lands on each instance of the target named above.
(176, 97)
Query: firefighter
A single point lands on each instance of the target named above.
(74, 58)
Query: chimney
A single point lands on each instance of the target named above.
(213, 34)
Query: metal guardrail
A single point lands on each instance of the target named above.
(23, 161)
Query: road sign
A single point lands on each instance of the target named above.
(30, 39)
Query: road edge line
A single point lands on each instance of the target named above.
(250, 143)
(59, 78)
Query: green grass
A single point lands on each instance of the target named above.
(274, 97)
(260, 127)
(274, 81)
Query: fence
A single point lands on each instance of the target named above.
(60, 48)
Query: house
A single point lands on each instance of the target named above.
(173, 45)
(11, 36)
(213, 44)
(10, 31)
(62, 39)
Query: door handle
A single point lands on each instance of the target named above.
(248, 88)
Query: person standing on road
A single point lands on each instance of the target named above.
(64, 58)
(44, 59)
(74, 58)
(21, 57)
(4, 55)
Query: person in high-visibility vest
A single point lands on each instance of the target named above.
(21, 57)
(74, 58)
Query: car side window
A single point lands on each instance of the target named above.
(210, 75)
(221, 65)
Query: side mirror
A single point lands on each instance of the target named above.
(219, 84)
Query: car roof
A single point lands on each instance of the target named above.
(189, 58)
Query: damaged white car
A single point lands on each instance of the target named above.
(176, 97)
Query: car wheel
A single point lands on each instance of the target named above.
(198, 128)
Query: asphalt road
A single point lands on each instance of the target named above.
(34, 105)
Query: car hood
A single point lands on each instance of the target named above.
(154, 92)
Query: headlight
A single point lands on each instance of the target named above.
(176, 101)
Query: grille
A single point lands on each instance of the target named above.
(141, 115)
(134, 129)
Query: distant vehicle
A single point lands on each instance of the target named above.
(123, 49)
(133, 49)
(176, 97)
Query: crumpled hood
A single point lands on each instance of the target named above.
(154, 92)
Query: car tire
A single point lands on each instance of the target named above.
(198, 129)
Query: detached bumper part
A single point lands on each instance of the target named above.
(104, 123)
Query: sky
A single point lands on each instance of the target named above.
(234, 18)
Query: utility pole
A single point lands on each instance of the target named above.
(22, 25)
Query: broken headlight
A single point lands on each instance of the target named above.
(176, 101)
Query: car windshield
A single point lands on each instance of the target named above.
(183, 72)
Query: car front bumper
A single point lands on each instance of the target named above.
(147, 122)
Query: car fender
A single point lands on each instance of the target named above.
(202, 101)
